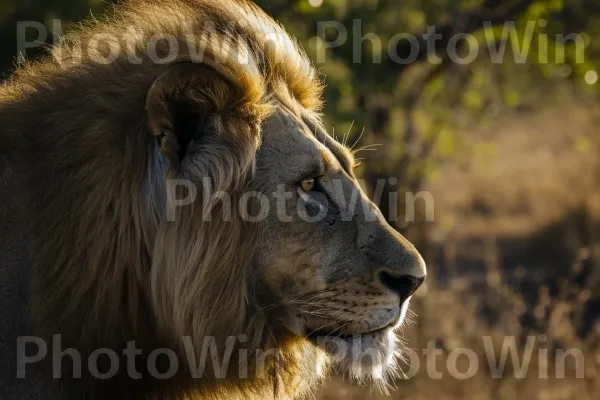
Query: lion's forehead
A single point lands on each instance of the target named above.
(287, 145)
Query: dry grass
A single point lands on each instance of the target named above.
(515, 254)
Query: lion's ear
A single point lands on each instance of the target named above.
(180, 105)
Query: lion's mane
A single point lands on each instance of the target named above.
(81, 134)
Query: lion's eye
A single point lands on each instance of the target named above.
(307, 184)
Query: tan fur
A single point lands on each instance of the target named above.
(97, 234)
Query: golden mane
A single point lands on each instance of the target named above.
(81, 126)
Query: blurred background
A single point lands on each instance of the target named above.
(506, 147)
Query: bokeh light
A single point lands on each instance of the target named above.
(591, 77)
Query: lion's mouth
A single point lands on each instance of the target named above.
(347, 330)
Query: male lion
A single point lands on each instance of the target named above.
(176, 223)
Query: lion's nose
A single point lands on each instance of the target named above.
(403, 285)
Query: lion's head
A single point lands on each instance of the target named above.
(201, 198)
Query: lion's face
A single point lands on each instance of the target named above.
(342, 276)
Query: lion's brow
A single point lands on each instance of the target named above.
(344, 157)
(341, 153)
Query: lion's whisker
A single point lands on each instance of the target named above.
(368, 146)
(279, 303)
(321, 327)
(332, 333)
(347, 134)
(357, 140)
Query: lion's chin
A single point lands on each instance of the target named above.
(366, 357)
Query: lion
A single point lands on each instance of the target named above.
(176, 221)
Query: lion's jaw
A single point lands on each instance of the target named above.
(368, 356)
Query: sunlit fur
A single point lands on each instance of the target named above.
(107, 267)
